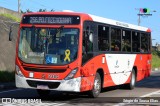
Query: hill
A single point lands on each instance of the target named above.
(7, 48)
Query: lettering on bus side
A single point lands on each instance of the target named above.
(117, 66)
(122, 24)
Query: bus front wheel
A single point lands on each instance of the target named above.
(96, 87)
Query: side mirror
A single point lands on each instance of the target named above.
(10, 33)
(91, 37)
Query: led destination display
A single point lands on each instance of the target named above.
(51, 19)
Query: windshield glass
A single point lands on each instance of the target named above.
(48, 45)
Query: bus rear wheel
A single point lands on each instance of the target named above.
(96, 87)
(132, 83)
(43, 93)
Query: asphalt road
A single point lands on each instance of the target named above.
(146, 91)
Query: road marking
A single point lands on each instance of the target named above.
(10, 91)
(146, 95)
(60, 104)
(49, 104)
(149, 94)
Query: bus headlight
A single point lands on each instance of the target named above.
(71, 74)
(18, 72)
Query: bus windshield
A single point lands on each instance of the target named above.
(48, 45)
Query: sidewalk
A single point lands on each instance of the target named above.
(155, 69)
(9, 85)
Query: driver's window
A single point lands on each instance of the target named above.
(87, 40)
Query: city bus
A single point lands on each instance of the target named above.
(79, 52)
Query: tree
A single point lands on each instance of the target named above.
(28, 11)
(42, 10)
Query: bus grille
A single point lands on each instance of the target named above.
(51, 85)
(44, 70)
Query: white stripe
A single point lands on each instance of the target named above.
(10, 91)
(53, 104)
(149, 94)
(60, 104)
(146, 95)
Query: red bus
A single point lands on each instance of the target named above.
(77, 52)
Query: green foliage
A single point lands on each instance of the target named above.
(10, 16)
(6, 76)
(156, 59)
(156, 53)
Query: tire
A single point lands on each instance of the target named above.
(132, 83)
(43, 93)
(96, 87)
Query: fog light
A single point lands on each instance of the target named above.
(31, 74)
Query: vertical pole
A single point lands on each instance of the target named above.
(19, 6)
(139, 18)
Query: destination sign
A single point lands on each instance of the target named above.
(51, 19)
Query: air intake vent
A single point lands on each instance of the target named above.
(51, 85)
(44, 70)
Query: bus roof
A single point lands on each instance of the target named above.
(96, 19)
(118, 23)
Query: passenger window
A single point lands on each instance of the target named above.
(144, 42)
(135, 42)
(103, 38)
(126, 41)
(115, 39)
(149, 42)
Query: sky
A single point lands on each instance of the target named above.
(120, 10)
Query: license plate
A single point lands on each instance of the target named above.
(42, 87)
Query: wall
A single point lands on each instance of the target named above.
(8, 11)
(7, 48)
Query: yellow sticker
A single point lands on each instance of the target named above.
(67, 53)
(24, 54)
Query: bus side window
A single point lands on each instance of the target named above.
(135, 42)
(115, 39)
(126, 41)
(149, 42)
(103, 38)
(144, 42)
(87, 40)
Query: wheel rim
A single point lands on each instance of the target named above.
(97, 86)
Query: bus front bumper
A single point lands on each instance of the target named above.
(72, 85)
